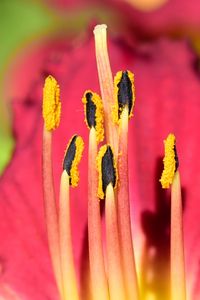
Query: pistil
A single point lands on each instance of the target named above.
(106, 83)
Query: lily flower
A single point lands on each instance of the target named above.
(163, 70)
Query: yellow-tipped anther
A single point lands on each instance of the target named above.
(94, 115)
(107, 169)
(72, 158)
(102, 151)
(74, 170)
(124, 92)
(169, 162)
(51, 103)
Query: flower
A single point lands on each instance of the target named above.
(167, 89)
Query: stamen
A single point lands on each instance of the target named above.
(98, 275)
(93, 108)
(170, 161)
(124, 92)
(107, 170)
(70, 176)
(178, 284)
(124, 220)
(72, 158)
(67, 259)
(108, 179)
(51, 92)
(122, 278)
(106, 83)
(94, 113)
(51, 103)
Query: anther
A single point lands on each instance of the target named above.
(72, 158)
(170, 161)
(51, 103)
(124, 94)
(107, 170)
(94, 115)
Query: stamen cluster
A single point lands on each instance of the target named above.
(113, 273)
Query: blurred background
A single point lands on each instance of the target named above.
(26, 25)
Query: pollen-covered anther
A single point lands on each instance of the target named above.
(124, 91)
(170, 161)
(51, 103)
(94, 115)
(107, 170)
(72, 158)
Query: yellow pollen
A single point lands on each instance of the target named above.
(74, 172)
(99, 114)
(51, 103)
(169, 162)
(101, 153)
(116, 108)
